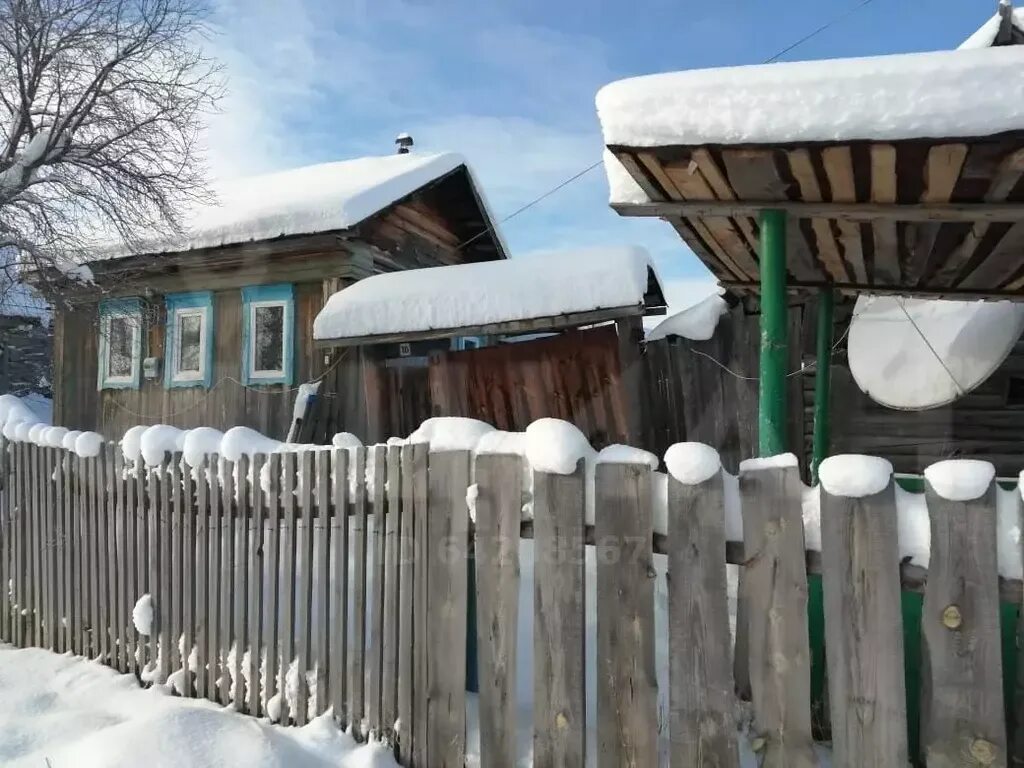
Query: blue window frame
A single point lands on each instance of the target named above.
(268, 334)
(188, 347)
(120, 344)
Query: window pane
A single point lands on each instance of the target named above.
(269, 338)
(119, 347)
(189, 348)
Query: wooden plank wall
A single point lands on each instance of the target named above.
(268, 409)
(572, 376)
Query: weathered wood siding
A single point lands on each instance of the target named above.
(226, 404)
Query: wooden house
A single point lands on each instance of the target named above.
(215, 329)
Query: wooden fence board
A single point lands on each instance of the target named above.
(447, 539)
(339, 588)
(421, 551)
(225, 615)
(202, 595)
(702, 723)
(164, 601)
(962, 672)
(53, 551)
(392, 617)
(153, 577)
(120, 558)
(6, 537)
(357, 672)
(177, 659)
(39, 546)
(375, 645)
(322, 581)
(102, 553)
(137, 545)
(863, 629)
(776, 576)
(626, 684)
(303, 633)
(272, 554)
(257, 561)
(287, 595)
(186, 517)
(110, 553)
(240, 581)
(214, 668)
(499, 502)
(405, 607)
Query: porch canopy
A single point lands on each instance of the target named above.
(898, 174)
(533, 294)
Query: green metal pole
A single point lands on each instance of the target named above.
(822, 381)
(772, 403)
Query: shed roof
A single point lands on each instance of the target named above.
(1006, 27)
(543, 291)
(901, 173)
(310, 200)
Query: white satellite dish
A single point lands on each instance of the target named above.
(915, 354)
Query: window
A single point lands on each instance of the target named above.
(120, 344)
(267, 334)
(188, 358)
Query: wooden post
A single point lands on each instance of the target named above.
(962, 673)
(630, 332)
(822, 381)
(774, 326)
(272, 555)
(304, 608)
(257, 577)
(775, 588)
(322, 580)
(559, 620)
(339, 588)
(863, 629)
(702, 723)
(498, 509)
(626, 682)
(392, 616)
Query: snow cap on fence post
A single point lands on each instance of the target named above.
(692, 463)
(778, 461)
(960, 479)
(626, 454)
(556, 446)
(854, 476)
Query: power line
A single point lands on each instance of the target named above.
(489, 229)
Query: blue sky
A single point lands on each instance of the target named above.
(510, 84)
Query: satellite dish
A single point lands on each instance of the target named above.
(915, 354)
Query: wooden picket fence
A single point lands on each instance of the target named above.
(362, 582)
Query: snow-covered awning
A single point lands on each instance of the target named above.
(310, 200)
(900, 174)
(544, 291)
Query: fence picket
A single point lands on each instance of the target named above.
(406, 589)
(776, 576)
(304, 608)
(52, 550)
(447, 539)
(173, 568)
(120, 565)
(225, 616)
(702, 723)
(421, 553)
(339, 588)
(215, 664)
(112, 618)
(6, 537)
(322, 581)
(499, 502)
(240, 585)
(185, 517)
(962, 672)
(271, 623)
(80, 619)
(626, 684)
(391, 616)
(38, 533)
(21, 548)
(863, 629)
(257, 558)
(288, 544)
(202, 595)
(357, 657)
(141, 519)
(375, 645)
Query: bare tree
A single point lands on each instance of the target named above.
(101, 105)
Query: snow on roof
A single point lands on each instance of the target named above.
(985, 37)
(697, 323)
(301, 201)
(921, 95)
(472, 295)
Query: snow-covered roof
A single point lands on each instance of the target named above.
(301, 201)
(540, 285)
(987, 33)
(697, 322)
(921, 95)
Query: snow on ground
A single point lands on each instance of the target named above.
(919, 95)
(471, 295)
(60, 711)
